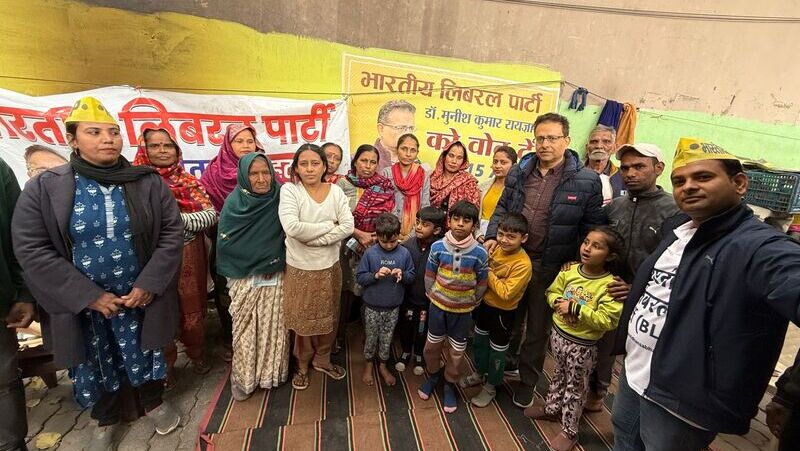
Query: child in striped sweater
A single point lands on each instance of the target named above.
(456, 277)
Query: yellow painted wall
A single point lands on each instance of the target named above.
(63, 40)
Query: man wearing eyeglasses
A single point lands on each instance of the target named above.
(41, 158)
(395, 118)
(599, 147)
(561, 199)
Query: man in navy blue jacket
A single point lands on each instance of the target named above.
(561, 200)
(707, 312)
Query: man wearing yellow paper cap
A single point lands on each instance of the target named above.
(710, 311)
(99, 242)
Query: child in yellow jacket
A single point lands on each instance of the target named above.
(583, 313)
(509, 274)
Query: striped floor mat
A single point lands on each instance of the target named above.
(347, 414)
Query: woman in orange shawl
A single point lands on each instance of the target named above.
(159, 150)
(451, 182)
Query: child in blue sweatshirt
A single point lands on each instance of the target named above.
(384, 271)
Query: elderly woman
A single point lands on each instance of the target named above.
(100, 245)
(504, 158)
(451, 182)
(219, 180)
(251, 253)
(157, 149)
(369, 194)
(334, 154)
(316, 218)
(411, 184)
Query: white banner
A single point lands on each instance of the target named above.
(198, 122)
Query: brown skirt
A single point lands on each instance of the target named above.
(311, 300)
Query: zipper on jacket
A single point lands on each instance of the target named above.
(630, 232)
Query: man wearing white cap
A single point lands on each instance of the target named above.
(707, 312)
(637, 216)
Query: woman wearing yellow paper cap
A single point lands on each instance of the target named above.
(100, 245)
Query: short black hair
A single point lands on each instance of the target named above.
(732, 167)
(514, 223)
(387, 225)
(465, 209)
(433, 215)
(553, 117)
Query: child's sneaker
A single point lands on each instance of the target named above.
(471, 380)
(449, 400)
(419, 366)
(428, 386)
(485, 397)
(403, 362)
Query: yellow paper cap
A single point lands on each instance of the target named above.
(89, 109)
(694, 149)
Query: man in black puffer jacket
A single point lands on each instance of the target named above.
(561, 200)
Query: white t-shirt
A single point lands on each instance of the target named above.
(650, 312)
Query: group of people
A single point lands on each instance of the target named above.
(553, 252)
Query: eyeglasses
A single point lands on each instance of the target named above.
(35, 171)
(401, 128)
(550, 139)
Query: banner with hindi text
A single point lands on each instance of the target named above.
(482, 112)
(197, 121)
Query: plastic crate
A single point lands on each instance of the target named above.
(776, 191)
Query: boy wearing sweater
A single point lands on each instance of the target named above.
(413, 324)
(509, 274)
(383, 271)
(456, 278)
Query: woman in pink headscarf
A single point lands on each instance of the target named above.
(219, 179)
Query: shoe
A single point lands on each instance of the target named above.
(165, 418)
(485, 397)
(562, 442)
(102, 438)
(471, 380)
(449, 400)
(428, 386)
(511, 368)
(200, 367)
(594, 402)
(523, 396)
(537, 412)
(419, 366)
(403, 362)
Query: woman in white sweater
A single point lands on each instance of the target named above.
(316, 217)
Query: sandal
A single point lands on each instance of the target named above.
(300, 381)
(335, 372)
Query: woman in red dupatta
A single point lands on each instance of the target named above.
(411, 183)
(160, 151)
(451, 182)
(370, 195)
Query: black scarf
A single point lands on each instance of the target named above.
(122, 173)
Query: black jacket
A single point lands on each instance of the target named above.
(737, 285)
(577, 205)
(789, 386)
(12, 286)
(415, 293)
(638, 218)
